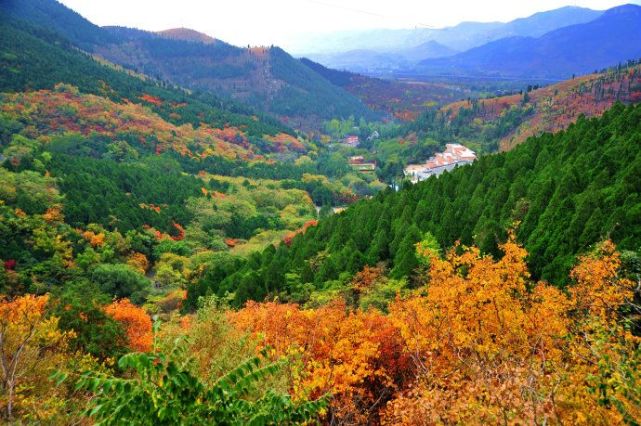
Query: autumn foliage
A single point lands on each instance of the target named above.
(70, 111)
(284, 142)
(180, 232)
(357, 357)
(31, 348)
(151, 99)
(556, 106)
(138, 261)
(96, 240)
(135, 321)
(479, 343)
(287, 239)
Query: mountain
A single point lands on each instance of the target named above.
(35, 59)
(429, 49)
(133, 154)
(56, 17)
(551, 108)
(165, 252)
(265, 77)
(577, 49)
(372, 62)
(404, 46)
(186, 34)
(463, 36)
(468, 35)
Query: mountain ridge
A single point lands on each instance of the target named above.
(575, 49)
(265, 78)
(461, 37)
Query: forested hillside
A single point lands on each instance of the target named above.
(403, 100)
(484, 124)
(385, 297)
(560, 192)
(500, 123)
(34, 58)
(116, 165)
(266, 78)
(117, 141)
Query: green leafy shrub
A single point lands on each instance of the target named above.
(160, 391)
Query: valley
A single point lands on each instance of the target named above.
(404, 226)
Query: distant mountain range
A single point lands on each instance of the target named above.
(381, 51)
(267, 78)
(383, 62)
(577, 49)
(550, 45)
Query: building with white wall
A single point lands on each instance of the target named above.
(454, 155)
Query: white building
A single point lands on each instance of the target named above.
(454, 155)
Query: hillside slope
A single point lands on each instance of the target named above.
(505, 121)
(266, 78)
(401, 99)
(66, 110)
(34, 59)
(562, 192)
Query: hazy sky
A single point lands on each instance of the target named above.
(282, 22)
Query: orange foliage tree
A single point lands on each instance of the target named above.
(599, 291)
(135, 321)
(357, 357)
(482, 339)
(96, 240)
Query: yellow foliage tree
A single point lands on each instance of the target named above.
(31, 348)
(491, 346)
(139, 262)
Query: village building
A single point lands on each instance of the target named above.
(359, 164)
(352, 141)
(454, 155)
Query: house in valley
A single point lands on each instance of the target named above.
(352, 141)
(454, 155)
(359, 164)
